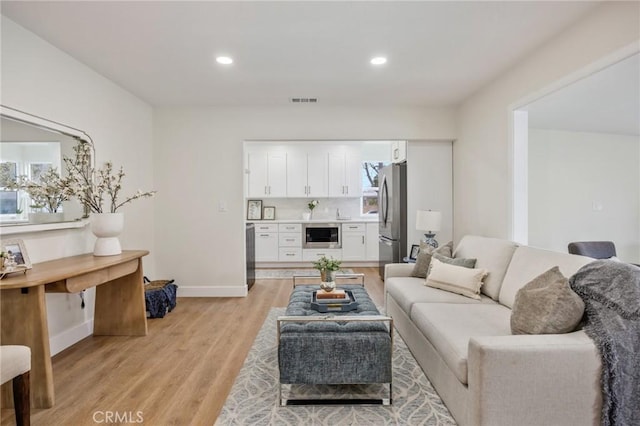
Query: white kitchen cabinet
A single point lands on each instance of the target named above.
(345, 171)
(307, 170)
(266, 242)
(353, 241)
(267, 173)
(372, 249)
(290, 242)
(311, 255)
(399, 151)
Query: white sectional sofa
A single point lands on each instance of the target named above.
(483, 373)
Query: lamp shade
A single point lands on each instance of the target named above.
(427, 220)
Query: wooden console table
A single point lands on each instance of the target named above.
(119, 308)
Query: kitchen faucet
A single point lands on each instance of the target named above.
(337, 213)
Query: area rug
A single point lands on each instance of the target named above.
(253, 399)
(266, 274)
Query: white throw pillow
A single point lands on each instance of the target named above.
(456, 279)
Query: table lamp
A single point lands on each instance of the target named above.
(429, 221)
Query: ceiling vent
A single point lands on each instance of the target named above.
(304, 100)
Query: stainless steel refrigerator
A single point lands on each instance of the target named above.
(392, 214)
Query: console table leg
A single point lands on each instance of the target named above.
(24, 322)
(120, 307)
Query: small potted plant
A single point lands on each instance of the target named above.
(312, 205)
(328, 268)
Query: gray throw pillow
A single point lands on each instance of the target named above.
(456, 261)
(546, 305)
(424, 258)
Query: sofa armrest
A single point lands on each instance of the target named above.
(534, 379)
(398, 270)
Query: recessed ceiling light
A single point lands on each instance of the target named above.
(224, 60)
(379, 60)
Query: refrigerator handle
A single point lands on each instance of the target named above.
(385, 241)
(384, 200)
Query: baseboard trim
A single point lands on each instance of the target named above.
(209, 291)
(69, 337)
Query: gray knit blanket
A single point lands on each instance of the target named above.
(611, 293)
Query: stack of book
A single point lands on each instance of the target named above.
(335, 296)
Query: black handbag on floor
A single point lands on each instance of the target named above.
(159, 297)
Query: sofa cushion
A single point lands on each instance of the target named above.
(449, 327)
(546, 305)
(421, 268)
(491, 254)
(528, 262)
(407, 291)
(456, 279)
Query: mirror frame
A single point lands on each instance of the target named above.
(42, 123)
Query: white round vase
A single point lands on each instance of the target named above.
(106, 227)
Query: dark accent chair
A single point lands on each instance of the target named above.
(595, 249)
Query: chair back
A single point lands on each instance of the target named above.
(595, 249)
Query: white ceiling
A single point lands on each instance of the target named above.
(439, 52)
(605, 102)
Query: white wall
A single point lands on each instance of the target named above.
(198, 163)
(481, 151)
(42, 80)
(584, 187)
(429, 187)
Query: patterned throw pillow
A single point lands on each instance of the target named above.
(546, 305)
(424, 258)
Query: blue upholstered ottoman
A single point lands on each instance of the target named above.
(336, 348)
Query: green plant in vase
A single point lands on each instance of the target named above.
(328, 268)
(312, 205)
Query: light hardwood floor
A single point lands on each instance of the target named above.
(179, 374)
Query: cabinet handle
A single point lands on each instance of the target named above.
(265, 190)
(396, 154)
(290, 254)
(264, 235)
(347, 186)
(320, 254)
(363, 239)
(308, 190)
(291, 239)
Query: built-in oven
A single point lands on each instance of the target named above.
(321, 235)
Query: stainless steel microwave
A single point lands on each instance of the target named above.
(322, 235)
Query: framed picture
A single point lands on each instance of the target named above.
(415, 249)
(16, 249)
(254, 209)
(269, 213)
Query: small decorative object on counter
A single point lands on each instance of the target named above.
(312, 205)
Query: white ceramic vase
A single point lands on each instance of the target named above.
(107, 227)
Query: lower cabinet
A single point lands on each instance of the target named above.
(290, 242)
(283, 243)
(311, 255)
(373, 248)
(266, 246)
(353, 241)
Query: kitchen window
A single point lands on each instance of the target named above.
(369, 200)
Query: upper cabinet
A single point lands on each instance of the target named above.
(345, 171)
(267, 173)
(399, 151)
(307, 169)
(303, 169)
